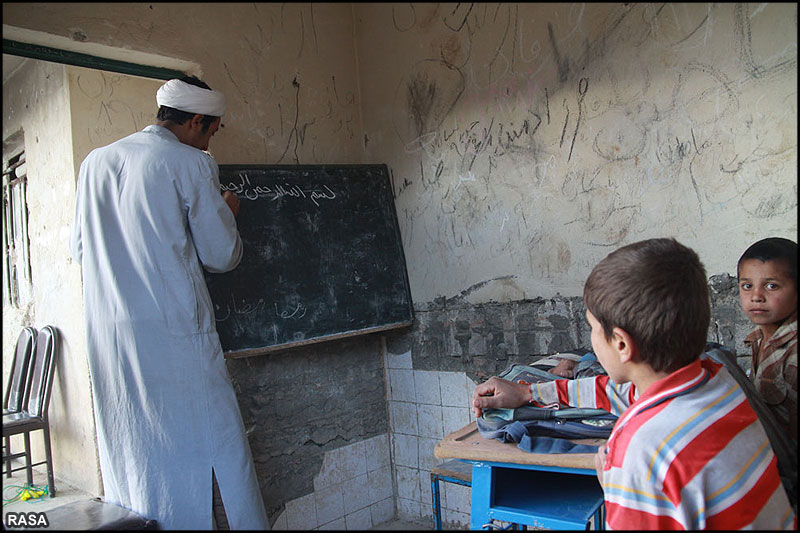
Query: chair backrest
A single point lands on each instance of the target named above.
(14, 399)
(42, 371)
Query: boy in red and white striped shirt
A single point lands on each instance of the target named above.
(688, 451)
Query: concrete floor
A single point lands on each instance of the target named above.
(403, 525)
(66, 493)
(12, 487)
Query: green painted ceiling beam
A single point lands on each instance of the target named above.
(55, 55)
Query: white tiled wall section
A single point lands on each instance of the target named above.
(354, 487)
(424, 406)
(353, 490)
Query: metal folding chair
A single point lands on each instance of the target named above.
(34, 416)
(14, 398)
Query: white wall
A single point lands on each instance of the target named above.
(288, 70)
(424, 406)
(36, 102)
(106, 107)
(352, 491)
(527, 141)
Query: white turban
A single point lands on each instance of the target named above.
(190, 98)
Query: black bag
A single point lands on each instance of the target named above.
(781, 443)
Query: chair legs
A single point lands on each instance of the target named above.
(7, 453)
(51, 486)
(28, 465)
(8, 457)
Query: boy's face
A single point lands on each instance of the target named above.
(604, 349)
(766, 292)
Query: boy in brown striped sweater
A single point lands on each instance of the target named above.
(767, 273)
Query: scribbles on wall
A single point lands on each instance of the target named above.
(106, 107)
(425, 97)
(755, 47)
(306, 113)
(111, 116)
(536, 138)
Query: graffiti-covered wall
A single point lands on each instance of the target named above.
(527, 141)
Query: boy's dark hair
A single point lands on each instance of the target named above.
(773, 249)
(655, 290)
(179, 117)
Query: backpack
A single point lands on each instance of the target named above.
(544, 429)
(781, 443)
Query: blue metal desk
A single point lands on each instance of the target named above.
(555, 491)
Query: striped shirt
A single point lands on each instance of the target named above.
(689, 453)
(774, 371)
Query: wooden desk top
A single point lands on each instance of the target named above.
(467, 443)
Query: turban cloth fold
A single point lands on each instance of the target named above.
(190, 98)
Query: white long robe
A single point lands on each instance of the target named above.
(148, 217)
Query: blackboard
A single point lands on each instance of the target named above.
(323, 258)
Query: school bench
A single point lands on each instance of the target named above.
(452, 471)
(553, 491)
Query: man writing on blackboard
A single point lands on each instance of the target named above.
(149, 217)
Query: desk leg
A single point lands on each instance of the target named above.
(481, 495)
(437, 505)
